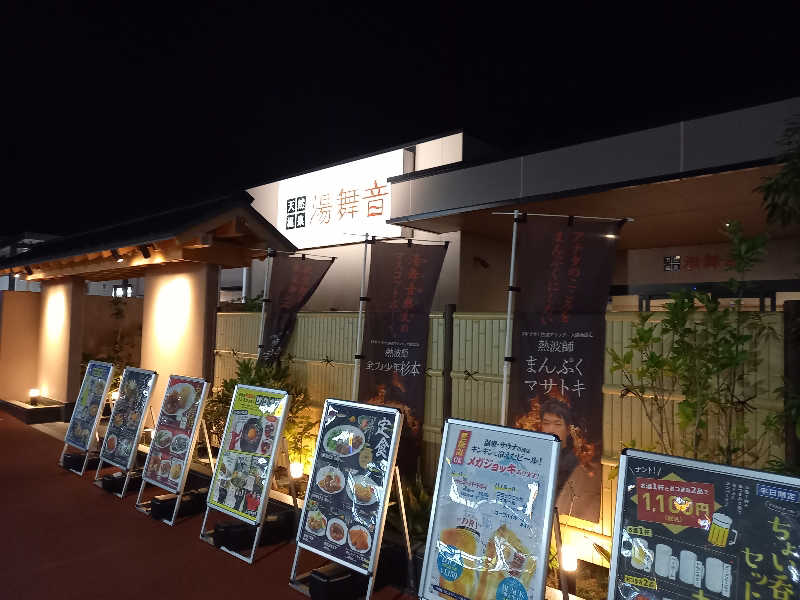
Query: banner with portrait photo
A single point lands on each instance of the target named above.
(402, 282)
(293, 281)
(564, 271)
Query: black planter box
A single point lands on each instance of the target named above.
(74, 460)
(238, 536)
(114, 482)
(335, 582)
(161, 507)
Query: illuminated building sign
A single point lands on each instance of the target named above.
(338, 204)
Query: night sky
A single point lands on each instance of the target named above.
(109, 114)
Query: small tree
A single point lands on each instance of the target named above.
(275, 375)
(712, 357)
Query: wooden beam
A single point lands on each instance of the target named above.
(221, 253)
(88, 268)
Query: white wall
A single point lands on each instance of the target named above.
(442, 151)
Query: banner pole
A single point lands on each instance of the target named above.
(265, 301)
(509, 323)
(356, 358)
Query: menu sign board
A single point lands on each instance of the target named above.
(173, 439)
(686, 529)
(490, 529)
(244, 468)
(89, 405)
(351, 477)
(127, 417)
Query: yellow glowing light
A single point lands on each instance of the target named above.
(115, 395)
(55, 315)
(172, 310)
(34, 393)
(569, 558)
(296, 470)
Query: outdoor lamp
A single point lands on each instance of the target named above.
(34, 394)
(115, 254)
(569, 564)
(296, 470)
(16, 274)
(569, 559)
(145, 251)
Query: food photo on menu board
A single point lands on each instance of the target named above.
(694, 530)
(127, 417)
(492, 515)
(252, 434)
(87, 407)
(172, 439)
(350, 480)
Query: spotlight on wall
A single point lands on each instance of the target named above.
(117, 257)
(145, 251)
(28, 270)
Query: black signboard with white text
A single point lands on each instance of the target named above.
(293, 280)
(351, 477)
(687, 529)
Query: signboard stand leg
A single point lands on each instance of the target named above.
(98, 483)
(265, 300)
(562, 576)
(405, 528)
(205, 535)
(61, 458)
(356, 359)
(208, 444)
(509, 319)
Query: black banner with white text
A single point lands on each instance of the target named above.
(293, 281)
(564, 272)
(402, 282)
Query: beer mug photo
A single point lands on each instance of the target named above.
(720, 531)
(641, 556)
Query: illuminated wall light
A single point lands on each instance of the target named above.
(115, 254)
(34, 393)
(296, 470)
(16, 275)
(172, 310)
(611, 236)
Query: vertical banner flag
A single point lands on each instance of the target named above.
(564, 271)
(294, 279)
(402, 281)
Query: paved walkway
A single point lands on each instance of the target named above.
(65, 538)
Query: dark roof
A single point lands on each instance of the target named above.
(152, 228)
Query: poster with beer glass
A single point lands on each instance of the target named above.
(687, 529)
(489, 532)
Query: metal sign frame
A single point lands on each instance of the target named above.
(390, 475)
(542, 557)
(144, 506)
(127, 468)
(92, 437)
(666, 459)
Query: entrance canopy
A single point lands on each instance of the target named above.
(226, 232)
